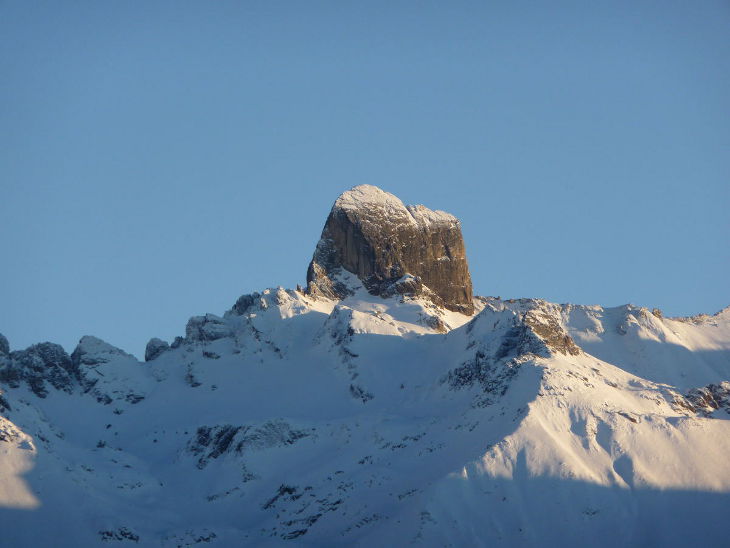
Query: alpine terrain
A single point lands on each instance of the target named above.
(381, 405)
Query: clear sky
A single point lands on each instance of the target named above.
(157, 160)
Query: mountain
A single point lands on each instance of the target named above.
(376, 406)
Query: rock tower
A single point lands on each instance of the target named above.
(391, 248)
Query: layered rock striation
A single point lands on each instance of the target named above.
(391, 248)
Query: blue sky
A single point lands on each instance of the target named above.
(157, 160)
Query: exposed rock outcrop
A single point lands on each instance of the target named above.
(211, 442)
(710, 398)
(373, 235)
(207, 328)
(154, 348)
(40, 364)
(546, 326)
(247, 302)
(4, 345)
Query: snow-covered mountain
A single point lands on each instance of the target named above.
(368, 409)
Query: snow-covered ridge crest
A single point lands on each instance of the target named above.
(721, 315)
(368, 197)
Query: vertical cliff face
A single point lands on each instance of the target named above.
(372, 234)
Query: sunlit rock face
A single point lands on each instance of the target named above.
(372, 234)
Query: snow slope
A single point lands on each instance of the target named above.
(293, 420)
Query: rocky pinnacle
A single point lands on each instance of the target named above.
(391, 248)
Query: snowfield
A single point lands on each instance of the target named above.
(291, 420)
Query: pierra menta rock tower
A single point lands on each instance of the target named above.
(391, 248)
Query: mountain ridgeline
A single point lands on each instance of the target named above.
(382, 404)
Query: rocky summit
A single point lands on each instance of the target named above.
(392, 248)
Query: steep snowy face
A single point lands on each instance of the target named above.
(391, 248)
